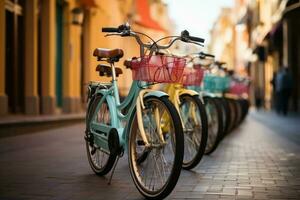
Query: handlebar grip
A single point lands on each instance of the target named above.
(110, 30)
(127, 64)
(196, 39)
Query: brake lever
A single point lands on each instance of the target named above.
(201, 45)
(125, 33)
(111, 34)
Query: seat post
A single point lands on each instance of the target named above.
(115, 83)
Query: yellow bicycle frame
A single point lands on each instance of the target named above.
(175, 90)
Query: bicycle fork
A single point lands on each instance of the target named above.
(139, 107)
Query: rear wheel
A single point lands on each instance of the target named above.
(236, 113)
(239, 112)
(215, 125)
(228, 115)
(194, 119)
(100, 160)
(155, 169)
(225, 114)
(233, 115)
(245, 107)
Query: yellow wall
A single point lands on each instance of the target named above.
(71, 54)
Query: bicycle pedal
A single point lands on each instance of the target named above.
(113, 142)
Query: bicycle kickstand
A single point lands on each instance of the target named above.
(113, 170)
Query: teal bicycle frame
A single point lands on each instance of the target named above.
(138, 91)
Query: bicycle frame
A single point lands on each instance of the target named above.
(137, 92)
(175, 90)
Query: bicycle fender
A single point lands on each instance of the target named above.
(90, 102)
(156, 93)
(101, 91)
(201, 97)
(207, 94)
(189, 92)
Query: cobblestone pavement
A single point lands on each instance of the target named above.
(257, 161)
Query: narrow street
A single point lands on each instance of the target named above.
(259, 160)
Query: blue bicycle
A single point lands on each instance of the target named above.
(145, 124)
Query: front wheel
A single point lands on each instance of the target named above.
(194, 120)
(215, 124)
(155, 169)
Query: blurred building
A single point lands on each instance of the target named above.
(222, 43)
(265, 37)
(46, 49)
(275, 39)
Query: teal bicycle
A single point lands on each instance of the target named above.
(145, 124)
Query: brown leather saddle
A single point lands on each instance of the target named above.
(105, 70)
(113, 55)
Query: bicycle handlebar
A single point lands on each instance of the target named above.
(124, 30)
(110, 30)
(196, 39)
(120, 29)
(185, 37)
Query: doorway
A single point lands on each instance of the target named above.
(14, 55)
(59, 52)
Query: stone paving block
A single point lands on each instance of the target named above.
(211, 196)
(261, 197)
(214, 188)
(244, 192)
(241, 197)
(200, 188)
(226, 197)
(268, 182)
(229, 191)
(187, 195)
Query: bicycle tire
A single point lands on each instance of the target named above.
(245, 106)
(228, 115)
(238, 113)
(217, 114)
(232, 109)
(172, 179)
(225, 115)
(200, 149)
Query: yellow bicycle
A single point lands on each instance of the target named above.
(191, 109)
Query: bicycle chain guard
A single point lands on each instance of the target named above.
(114, 142)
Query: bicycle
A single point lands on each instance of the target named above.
(155, 147)
(239, 90)
(212, 106)
(220, 87)
(191, 109)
